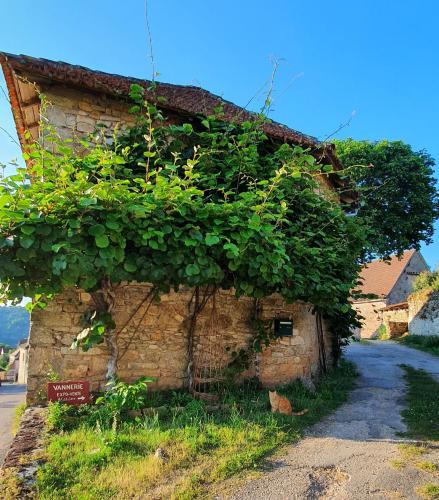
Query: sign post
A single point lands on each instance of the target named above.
(72, 392)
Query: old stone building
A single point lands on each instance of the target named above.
(18, 363)
(153, 344)
(389, 284)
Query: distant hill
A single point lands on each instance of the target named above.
(14, 325)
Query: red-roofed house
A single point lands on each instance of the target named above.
(390, 282)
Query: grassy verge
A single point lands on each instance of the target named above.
(424, 343)
(422, 419)
(198, 448)
(17, 417)
(422, 413)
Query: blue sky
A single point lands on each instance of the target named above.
(376, 58)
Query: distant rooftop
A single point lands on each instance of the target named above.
(379, 277)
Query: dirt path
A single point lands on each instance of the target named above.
(348, 455)
(11, 395)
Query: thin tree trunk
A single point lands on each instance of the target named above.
(105, 301)
(321, 342)
(191, 333)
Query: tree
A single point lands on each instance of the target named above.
(398, 197)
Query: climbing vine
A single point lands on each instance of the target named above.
(206, 203)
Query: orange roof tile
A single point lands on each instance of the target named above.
(379, 277)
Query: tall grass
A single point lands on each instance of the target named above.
(426, 343)
(88, 460)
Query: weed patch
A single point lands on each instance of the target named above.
(398, 464)
(9, 484)
(429, 491)
(382, 333)
(427, 466)
(412, 451)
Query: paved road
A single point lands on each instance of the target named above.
(11, 395)
(348, 455)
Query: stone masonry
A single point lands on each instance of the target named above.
(73, 113)
(155, 344)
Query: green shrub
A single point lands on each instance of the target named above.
(426, 280)
(124, 397)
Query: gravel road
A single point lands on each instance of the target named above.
(348, 455)
(11, 395)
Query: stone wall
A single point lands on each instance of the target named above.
(155, 341)
(75, 113)
(371, 312)
(424, 313)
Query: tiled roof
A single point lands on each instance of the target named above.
(379, 277)
(188, 100)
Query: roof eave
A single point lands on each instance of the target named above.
(119, 86)
(14, 100)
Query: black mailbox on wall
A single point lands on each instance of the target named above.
(283, 327)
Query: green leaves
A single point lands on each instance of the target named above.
(87, 202)
(27, 229)
(136, 94)
(111, 224)
(96, 323)
(192, 269)
(232, 249)
(59, 263)
(97, 230)
(211, 239)
(130, 266)
(57, 247)
(6, 242)
(74, 223)
(27, 241)
(399, 200)
(102, 241)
